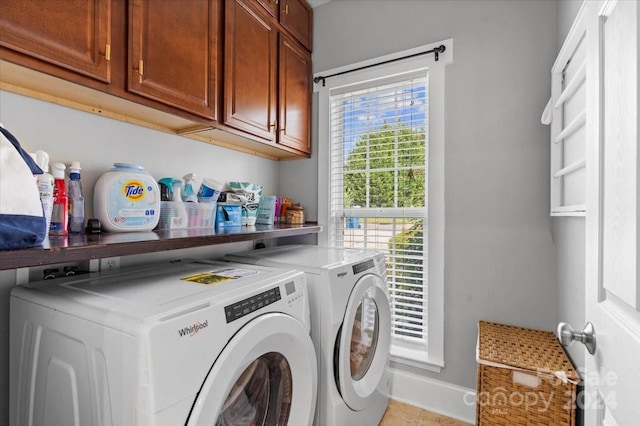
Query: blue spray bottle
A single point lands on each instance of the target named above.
(188, 194)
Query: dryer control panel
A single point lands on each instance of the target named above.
(251, 304)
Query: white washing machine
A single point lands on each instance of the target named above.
(187, 343)
(350, 327)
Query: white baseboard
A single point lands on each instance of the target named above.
(433, 395)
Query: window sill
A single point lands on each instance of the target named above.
(416, 359)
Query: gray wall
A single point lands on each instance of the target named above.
(499, 256)
(569, 232)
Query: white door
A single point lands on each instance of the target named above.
(363, 344)
(612, 376)
(266, 375)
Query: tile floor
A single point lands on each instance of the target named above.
(399, 414)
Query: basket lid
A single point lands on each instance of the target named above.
(523, 348)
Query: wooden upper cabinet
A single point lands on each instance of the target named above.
(296, 16)
(73, 35)
(250, 75)
(173, 53)
(191, 66)
(295, 96)
(267, 79)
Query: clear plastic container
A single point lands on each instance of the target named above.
(199, 215)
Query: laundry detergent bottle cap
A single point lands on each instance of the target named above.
(74, 169)
(58, 170)
(126, 198)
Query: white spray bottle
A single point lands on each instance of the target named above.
(180, 219)
(45, 186)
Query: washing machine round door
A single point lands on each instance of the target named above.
(363, 348)
(266, 375)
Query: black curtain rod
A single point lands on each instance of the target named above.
(436, 51)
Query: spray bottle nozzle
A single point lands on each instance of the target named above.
(166, 188)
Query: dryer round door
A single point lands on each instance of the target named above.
(363, 348)
(266, 375)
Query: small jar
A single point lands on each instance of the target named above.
(295, 215)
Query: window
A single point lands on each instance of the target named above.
(378, 197)
(381, 132)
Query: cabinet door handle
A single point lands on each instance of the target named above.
(140, 67)
(286, 9)
(273, 125)
(107, 52)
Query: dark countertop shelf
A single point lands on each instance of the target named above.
(87, 247)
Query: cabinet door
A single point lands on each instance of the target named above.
(75, 35)
(295, 96)
(271, 6)
(296, 16)
(251, 55)
(173, 53)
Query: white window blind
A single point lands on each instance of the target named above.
(378, 181)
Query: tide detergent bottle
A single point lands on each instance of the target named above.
(126, 198)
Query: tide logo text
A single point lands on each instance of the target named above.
(133, 190)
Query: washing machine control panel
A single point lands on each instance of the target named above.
(251, 304)
(363, 266)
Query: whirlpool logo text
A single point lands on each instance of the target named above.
(193, 329)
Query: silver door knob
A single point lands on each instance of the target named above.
(566, 334)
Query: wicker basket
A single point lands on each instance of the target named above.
(524, 378)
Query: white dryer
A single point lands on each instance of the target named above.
(187, 343)
(350, 327)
